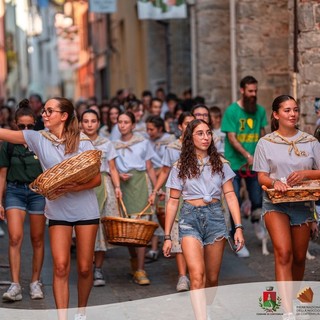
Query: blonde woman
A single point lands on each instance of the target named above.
(77, 208)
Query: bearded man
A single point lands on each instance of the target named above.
(244, 122)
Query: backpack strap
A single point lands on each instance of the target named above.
(10, 149)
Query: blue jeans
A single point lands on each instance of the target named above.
(254, 192)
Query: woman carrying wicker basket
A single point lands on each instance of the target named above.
(159, 140)
(109, 190)
(19, 167)
(135, 167)
(200, 176)
(77, 208)
(171, 155)
(282, 159)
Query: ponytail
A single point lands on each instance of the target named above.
(72, 135)
(274, 123)
(71, 127)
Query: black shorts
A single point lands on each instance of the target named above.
(73, 223)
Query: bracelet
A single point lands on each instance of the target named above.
(117, 187)
(239, 226)
(248, 155)
(154, 192)
(167, 237)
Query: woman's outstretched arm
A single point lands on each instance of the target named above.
(12, 136)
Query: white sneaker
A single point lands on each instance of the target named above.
(183, 284)
(13, 293)
(98, 279)
(80, 316)
(243, 253)
(152, 255)
(36, 290)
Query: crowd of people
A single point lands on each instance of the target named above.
(182, 163)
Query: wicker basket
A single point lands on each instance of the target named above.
(80, 168)
(308, 190)
(129, 232)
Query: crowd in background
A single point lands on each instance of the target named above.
(154, 121)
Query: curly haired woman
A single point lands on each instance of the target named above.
(200, 175)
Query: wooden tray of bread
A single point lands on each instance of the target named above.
(308, 190)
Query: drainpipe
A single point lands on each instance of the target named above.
(108, 55)
(295, 50)
(232, 6)
(193, 36)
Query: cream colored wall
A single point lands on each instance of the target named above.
(127, 60)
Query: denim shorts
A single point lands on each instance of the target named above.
(298, 212)
(19, 196)
(205, 223)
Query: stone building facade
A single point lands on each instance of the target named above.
(221, 41)
(265, 47)
(308, 54)
(276, 41)
(261, 48)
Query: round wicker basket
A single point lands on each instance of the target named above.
(129, 232)
(80, 168)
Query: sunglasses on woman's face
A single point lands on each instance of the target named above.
(22, 126)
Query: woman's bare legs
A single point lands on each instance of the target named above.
(60, 242)
(15, 219)
(85, 241)
(194, 255)
(290, 244)
(37, 228)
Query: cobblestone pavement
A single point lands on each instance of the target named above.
(162, 273)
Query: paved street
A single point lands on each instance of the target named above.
(162, 273)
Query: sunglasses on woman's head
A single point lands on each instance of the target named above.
(22, 126)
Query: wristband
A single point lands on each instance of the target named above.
(117, 187)
(238, 226)
(167, 237)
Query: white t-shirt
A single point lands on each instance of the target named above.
(160, 148)
(108, 153)
(133, 157)
(171, 155)
(275, 159)
(207, 186)
(73, 206)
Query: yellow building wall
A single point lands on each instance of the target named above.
(127, 62)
